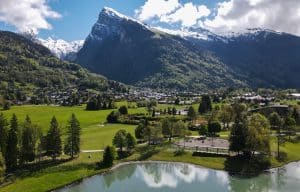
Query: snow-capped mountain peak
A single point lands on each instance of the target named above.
(113, 14)
(61, 48)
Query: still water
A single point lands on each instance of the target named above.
(177, 177)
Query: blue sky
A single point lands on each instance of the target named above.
(73, 19)
(78, 16)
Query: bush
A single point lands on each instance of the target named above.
(113, 117)
(296, 139)
(179, 152)
(203, 130)
(123, 110)
(214, 127)
(6, 105)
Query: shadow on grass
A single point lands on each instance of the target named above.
(52, 167)
(201, 154)
(124, 154)
(282, 157)
(147, 152)
(246, 166)
(179, 152)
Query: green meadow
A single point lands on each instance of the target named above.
(96, 134)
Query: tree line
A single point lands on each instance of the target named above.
(100, 102)
(22, 143)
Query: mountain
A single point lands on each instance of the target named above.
(61, 48)
(126, 50)
(264, 57)
(129, 51)
(28, 66)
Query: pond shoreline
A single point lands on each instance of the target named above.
(152, 161)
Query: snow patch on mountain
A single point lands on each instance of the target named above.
(61, 48)
(183, 33)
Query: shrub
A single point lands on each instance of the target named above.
(203, 130)
(113, 117)
(123, 110)
(6, 105)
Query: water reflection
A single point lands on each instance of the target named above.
(118, 175)
(169, 177)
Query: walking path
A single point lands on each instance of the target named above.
(92, 151)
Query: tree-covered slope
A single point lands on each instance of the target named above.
(25, 64)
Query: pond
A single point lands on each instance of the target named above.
(180, 177)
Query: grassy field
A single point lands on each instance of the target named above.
(96, 135)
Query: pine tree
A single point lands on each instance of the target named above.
(205, 104)
(191, 113)
(296, 116)
(120, 139)
(289, 125)
(167, 128)
(11, 154)
(2, 167)
(27, 151)
(72, 146)
(238, 135)
(130, 141)
(53, 140)
(174, 111)
(276, 123)
(3, 134)
(108, 156)
(139, 131)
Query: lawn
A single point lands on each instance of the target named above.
(209, 162)
(95, 133)
(291, 149)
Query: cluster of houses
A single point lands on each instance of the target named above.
(160, 97)
(254, 98)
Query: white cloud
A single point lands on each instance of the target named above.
(172, 11)
(156, 8)
(229, 15)
(188, 14)
(27, 15)
(237, 15)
